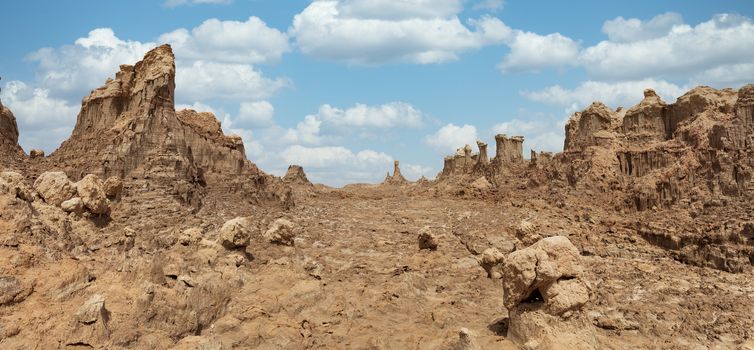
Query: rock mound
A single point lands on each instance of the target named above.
(296, 176)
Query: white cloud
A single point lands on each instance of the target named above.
(248, 42)
(732, 75)
(174, 3)
(358, 33)
(490, 5)
(72, 71)
(626, 94)
(532, 52)
(204, 80)
(633, 29)
(256, 114)
(389, 115)
(726, 39)
(44, 122)
(197, 106)
(413, 172)
(451, 137)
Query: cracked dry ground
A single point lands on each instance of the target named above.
(376, 289)
(356, 279)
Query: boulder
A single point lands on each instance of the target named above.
(89, 325)
(427, 239)
(54, 187)
(73, 205)
(544, 293)
(92, 192)
(113, 186)
(281, 231)
(235, 233)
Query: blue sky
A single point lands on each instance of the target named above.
(343, 87)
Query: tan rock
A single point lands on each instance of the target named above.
(113, 186)
(235, 233)
(14, 184)
(427, 239)
(492, 261)
(281, 231)
(92, 192)
(54, 187)
(73, 205)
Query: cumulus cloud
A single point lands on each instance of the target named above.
(249, 42)
(640, 52)
(71, 71)
(416, 31)
(389, 115)
(626, 93)
(532, 52)
(44, 121)
(451, 137)
(203, 80)
(633, 29)
(256, 114)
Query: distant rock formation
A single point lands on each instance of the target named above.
(296, 176)
(396, 178)
(508, 154)
(10, 152)
(129, 128)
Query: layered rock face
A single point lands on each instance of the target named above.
(660, 153)
(129, 128)
(10, 151)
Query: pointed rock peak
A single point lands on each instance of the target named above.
(649, 93)
(296, 175)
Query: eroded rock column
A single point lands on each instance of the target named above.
(509, 149)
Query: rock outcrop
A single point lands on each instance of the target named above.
(545, 294)
(10, 152)
(129, 128)
(296, 176)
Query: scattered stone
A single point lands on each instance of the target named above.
(54, 187)
(281, 232)
(492, 262)
(113, 187)
(427, 239)
(92, 310)
(235, 233)
(73, 205)
(190, 236)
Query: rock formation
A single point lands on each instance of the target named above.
(129, 128)
(544, 293)
(396, 178)
(10, 152)
(296, 175)
(509, 149)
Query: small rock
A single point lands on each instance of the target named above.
(492, 261)
(113, 187)
(73, 205)
(427, 239)
(14, 184)
(92, 310)
(190, 236)
(36, 153)
(281, 232)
